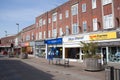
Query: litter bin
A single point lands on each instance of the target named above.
(116, 74)
(109, 73)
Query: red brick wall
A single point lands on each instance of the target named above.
(6, 41)
(88, 15)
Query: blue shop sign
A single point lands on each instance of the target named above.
(54, 41)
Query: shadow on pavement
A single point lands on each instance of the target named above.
(17, 70)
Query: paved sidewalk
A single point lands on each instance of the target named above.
(74, 72)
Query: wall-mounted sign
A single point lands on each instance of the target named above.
(27, 44)
(38, 43)
(76, 38)
(54, 41)
(103, 36)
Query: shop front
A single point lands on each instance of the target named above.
(72, 47)
(28, 47)
(40, 48)
(109, 45)
(54, 48)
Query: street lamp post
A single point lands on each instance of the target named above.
(17, 54)
(18, 26)
(6, 33)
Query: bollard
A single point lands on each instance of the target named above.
(109, 73)
(117, 74)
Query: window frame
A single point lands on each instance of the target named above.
(84, 7)
(94, 4)
(75, 29)
(84, 27)
(40, 35)
(60, 16)
(105, 2)
(66, 13)
(74, 9)
(95, 26)
(108, 21)
(40, 22)
(67, 30)
(54, 17)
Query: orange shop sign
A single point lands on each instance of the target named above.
(27, 44)
(103, 36)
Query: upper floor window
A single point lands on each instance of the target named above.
(40, 35)
(108, 21)
(95, 27)
(32, 36)
(66, 13)
(36, 24)
(74, 9)
(44, 22)
(27, 37)
(49, 34)
(67, 30)
(106, 2)
(94, 4)
(60, 16)
(49, 20)
(36, 36)
(44, 34)
(40, 22)
(61, 32)
(84, 26)
(54, 33)
(54, 17)
(75, 29)
(84, 7)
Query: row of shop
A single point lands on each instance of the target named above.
(70, 46)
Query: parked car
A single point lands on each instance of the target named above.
(5, 52)
(117, 56)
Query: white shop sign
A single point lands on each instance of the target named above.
(76, 38)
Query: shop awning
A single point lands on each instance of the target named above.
(112, 43)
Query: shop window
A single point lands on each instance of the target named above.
(114, 54)
(72, 53)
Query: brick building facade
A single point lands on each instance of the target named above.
(63, 27)
(6, 43)
(80, 17)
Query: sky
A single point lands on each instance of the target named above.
(22, 12)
